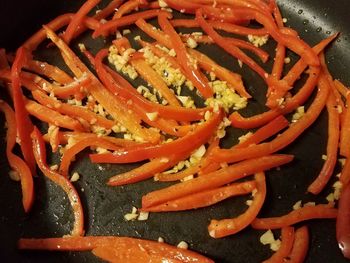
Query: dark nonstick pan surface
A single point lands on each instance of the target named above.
(105, 206)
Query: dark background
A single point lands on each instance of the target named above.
(105, 206)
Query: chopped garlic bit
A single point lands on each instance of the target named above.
(82, 47)
(268, 239)
(182, 245)
(244, 137)
(284, 20)
(152, 116)
(143, 216)
(240, 63)
(75, 177)
(121, 61)
(342, 161)
(131, 216)
(258, 41)
(300, 111)
(162, 3)
(191, 43)
(297, 205)
(54, 167)
(160, 240)
(287, 60)
(324, 157)
(309, 204)
(14, 175)
(225, 97)
(249, 202)
(126, 31)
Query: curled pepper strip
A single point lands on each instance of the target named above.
(40, 157)
(15, 162)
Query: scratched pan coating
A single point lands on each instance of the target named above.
(105, 206)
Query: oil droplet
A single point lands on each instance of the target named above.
(328, 32)
(300, 11)
(319, 29)
(338, 40)
(305, 22)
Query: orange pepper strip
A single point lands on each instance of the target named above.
(54, 139)
(113, 105)
(48, 70)
(332, 147)
(288, 237)
(77, 19)
(214, 179)
(152, 77)
(228, 27)
(285, 138)
(128, 7)
(292, 103)
(296, 216)
(112, 25)
(109, 9)
(48, 115)
(300, 246)
(191, 141)
(71, 110)
(70, 153)
(121, 244)
(40, 157)
(15, 162)
(224, 44)
(345, 131)
(204, 199)
(24, 124)
(193, 74)
(147, 170)
(226, 227)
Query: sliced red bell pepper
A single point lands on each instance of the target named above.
(40, 157)
(15, 162)
(200, 135)
(300, 246)
(125, 245)
(343, 221)
(24, 124)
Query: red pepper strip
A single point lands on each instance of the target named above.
(147, 170)
(288, 237)
(3, 59)
(40, 157)
(169, 112)
(122, 244)
(342, 225)
(265, 132)
(332, 147)
(292, 42)
(54, 137)
(128, 7)
(296, 216)
(204, 199)
(257, 137)
(48, 70)
(228, 27)
(15, 162)
(235, 80)
(344, 133)
(109, 9)
(24, 124)
(226, 227)
(232, 50)
(291, 104)
(72, 111)
(193, 74)
(70, 153)
(48, 115)
(191, 141)
(113, 105)
(344, 91)
(112, 25)
(26, 82)
(300, 246)
(285, 138)
(77, 19)
(194, 169)
(214, 179)
(153, 78)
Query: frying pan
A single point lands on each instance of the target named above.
(105, 206)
